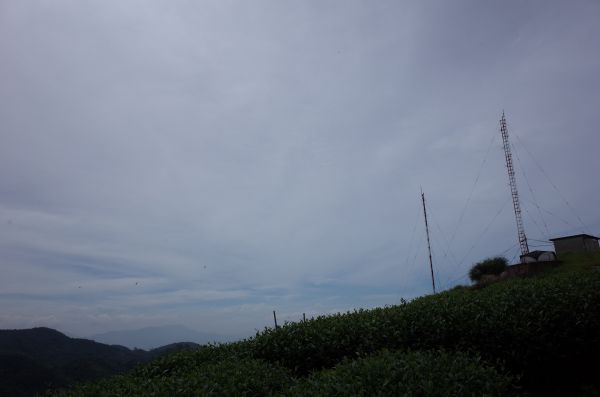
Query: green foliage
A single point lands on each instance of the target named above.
(490, 266)
(544, 331)
(579, 261)
(408, 374)
(244, 377)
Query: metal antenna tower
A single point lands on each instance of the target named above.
(513, 186)
(428, 243)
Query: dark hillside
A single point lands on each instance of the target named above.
(48, 345)
(21, 376)
(31, 360)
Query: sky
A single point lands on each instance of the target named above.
(207, 162)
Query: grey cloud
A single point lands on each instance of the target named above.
(225, 147)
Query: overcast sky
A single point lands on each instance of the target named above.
(207, 162)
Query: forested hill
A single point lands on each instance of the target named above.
(31, 360)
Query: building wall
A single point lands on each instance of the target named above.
(527, 259)
(575, 244)
(526, 269)
(545, 257)
(569, 245)
(591, 244)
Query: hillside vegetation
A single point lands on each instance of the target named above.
(535, 336)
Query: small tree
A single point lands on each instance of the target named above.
(493, 266)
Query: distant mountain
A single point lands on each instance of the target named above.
(172, 348)
(153, 337)
(32, 360)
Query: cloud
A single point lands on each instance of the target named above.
(233, 159)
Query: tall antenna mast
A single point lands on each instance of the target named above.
(513, 186)
(428, 242)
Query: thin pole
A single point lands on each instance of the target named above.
(275, 319)
(304, 317)
(428, 241)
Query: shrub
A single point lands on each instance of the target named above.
(429, 373)
(231, 377)
(491, 266)
(545, 329)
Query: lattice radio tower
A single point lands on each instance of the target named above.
(513, 186)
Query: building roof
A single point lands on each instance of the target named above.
(575, 235)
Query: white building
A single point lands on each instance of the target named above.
(538, 256)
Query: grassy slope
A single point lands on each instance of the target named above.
(539, 336)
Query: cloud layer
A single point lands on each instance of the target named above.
(206, 163)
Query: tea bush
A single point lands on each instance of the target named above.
(408, 374)
(245, 377)
(547, 329)
(544, 331)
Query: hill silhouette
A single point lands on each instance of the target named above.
(33, 360)
(152, 337)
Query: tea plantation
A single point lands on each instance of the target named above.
(535, 336)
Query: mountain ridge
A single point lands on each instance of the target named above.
(35, 359)
(156, 336)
